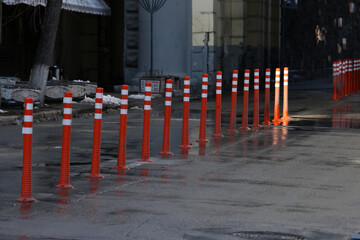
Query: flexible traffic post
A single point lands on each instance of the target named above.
(343, 78)
(244, 120)
(350, 77)
(267, 98)
(217, 128)
(336, 83)
(334, 80)
(285, 115)
(256, 99)
(145, 155)
(276, 119)
(65, 153)
(356, 62)
(357, 75)
(235, 79)
(121, 162)
(346, 77)
(167, 118)
(95, 159)
(185, 125)
(27, 131)
(204, 91)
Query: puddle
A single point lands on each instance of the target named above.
(267, 235)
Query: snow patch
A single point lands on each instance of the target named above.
(81, 81)
(137, 96)
(136, 108)
(107, 99)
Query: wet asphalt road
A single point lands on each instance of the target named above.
(301, 179)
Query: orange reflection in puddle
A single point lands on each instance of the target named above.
(25, 210)
(345, 117)
(63, 200)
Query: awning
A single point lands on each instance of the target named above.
(97, 7)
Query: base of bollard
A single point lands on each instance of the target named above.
(217, 135)
(232, 131)
(185, 146)
(121, 168)
(202, 140)
(286, 118)
(166, 154)
(266, 123)
(145, 160)
(255, 127)
(276, 122)
(65, 186)
(244, 129)
(95, 176)
(26, 200)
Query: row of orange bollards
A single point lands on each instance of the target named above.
(26, 191)
(346, 78)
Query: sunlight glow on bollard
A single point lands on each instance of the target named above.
(27, 131)
(145, 155)
(167, 118)
(235, 80)
(217, 128)
(65, 153)
(276, 119)
(244, 121)
(202, 133)
(185, 125)
(285, 115)
(121, 162)
(267, 98)
(256, 99)
(95, 159)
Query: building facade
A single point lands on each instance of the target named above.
(192, 37)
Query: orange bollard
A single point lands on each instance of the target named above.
(356, 64)
(343, 80)
(185, 126)
(167, 117)
(267, 98)
(357, 75)
(202, 133)
(217, 128)
(276, 119)
(65, 153)
(336, 83)
(256, 99)
(334, 80)
(350, 77)
(235, 79)
(285, 115)
(145, 155)
(27, 130)
(121, 163)
(95, 160)
(244, 123)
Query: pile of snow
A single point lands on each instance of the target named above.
(137, 96)
(81, 81)
(107, 99)
(2, 111)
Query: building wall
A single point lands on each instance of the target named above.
(192, 37)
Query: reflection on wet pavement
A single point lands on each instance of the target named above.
(202, 148)
(63, 200)
(25, 210)
(345, 117)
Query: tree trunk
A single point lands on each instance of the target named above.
(45, 47)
